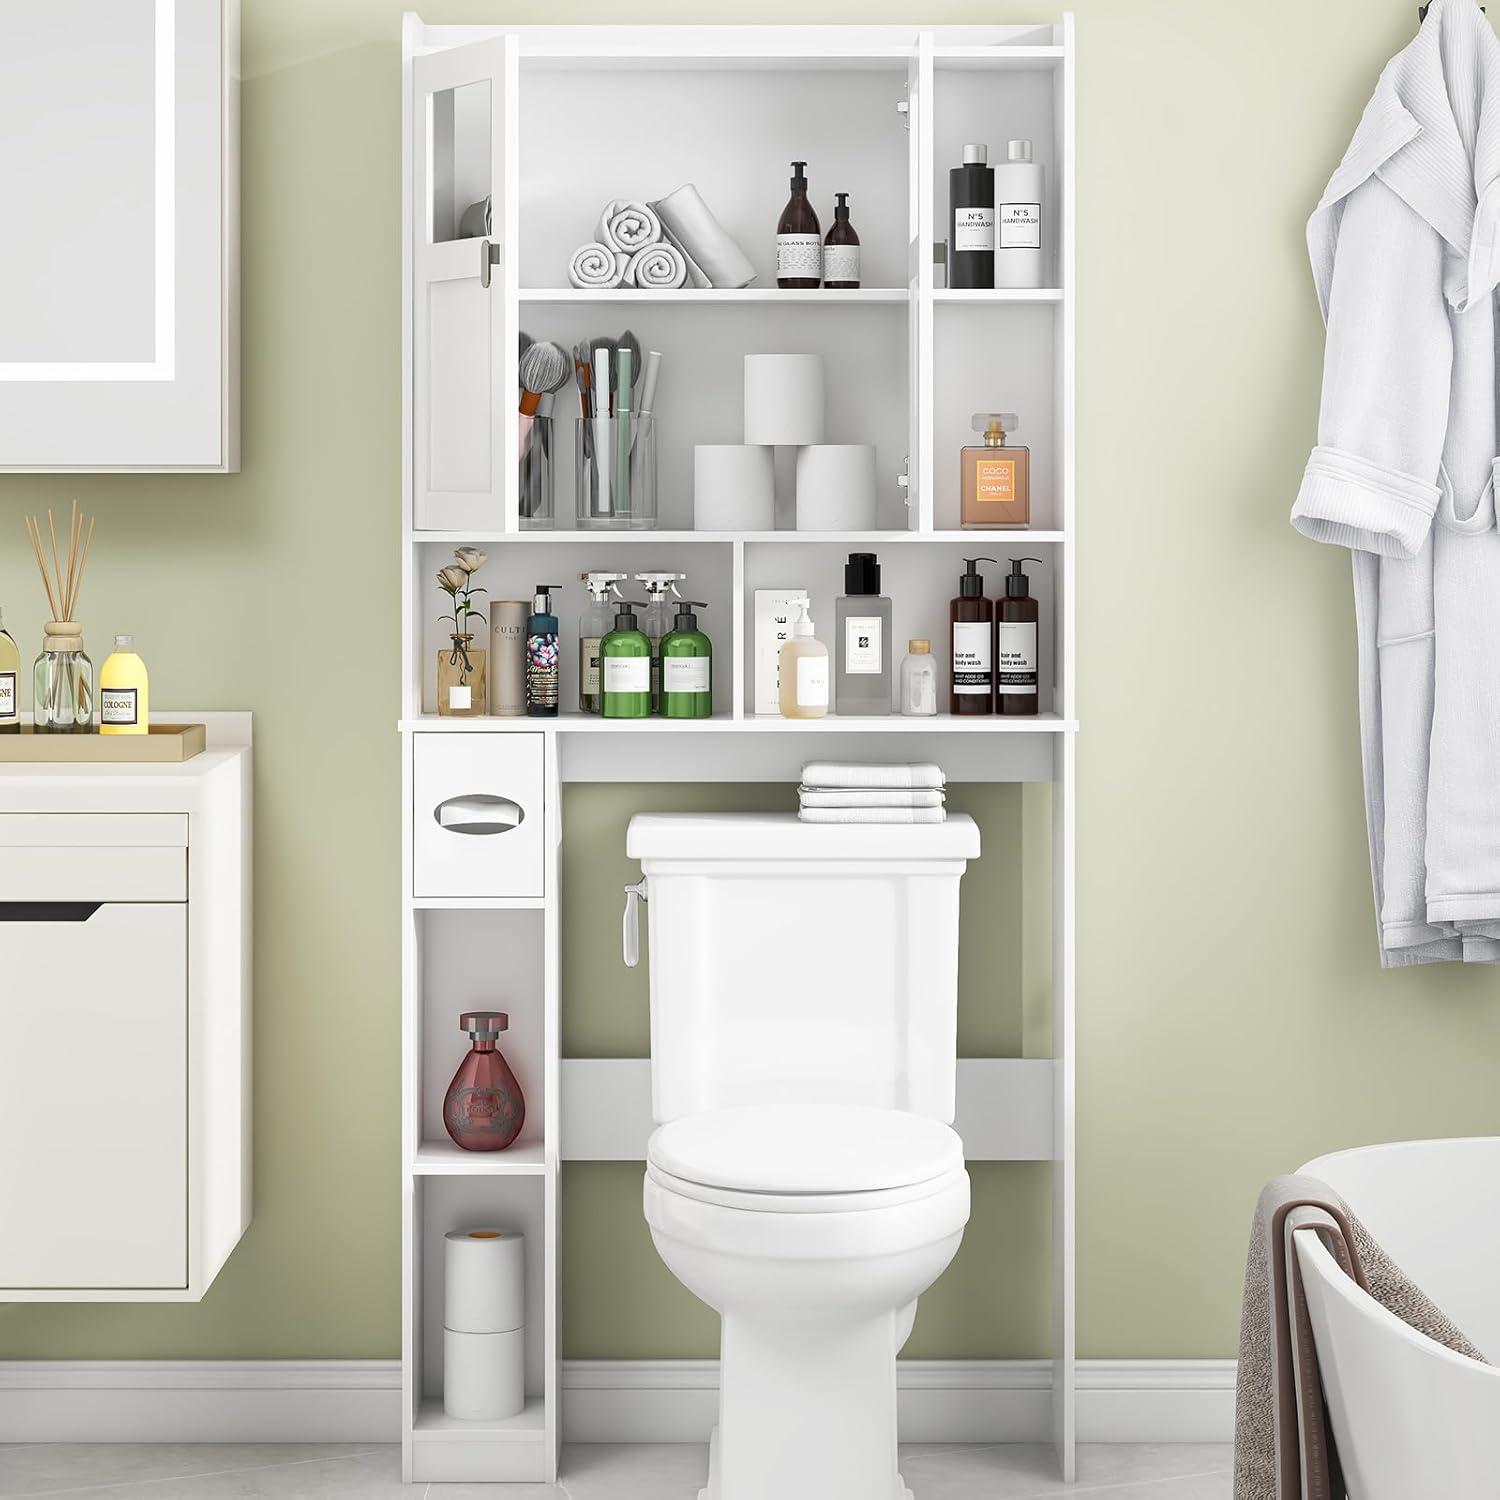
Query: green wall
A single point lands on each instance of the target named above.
(1232, 1018)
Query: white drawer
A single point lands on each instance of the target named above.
(93, 857)
(477, 815)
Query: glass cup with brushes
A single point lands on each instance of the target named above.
(543, 372)
(614, 448)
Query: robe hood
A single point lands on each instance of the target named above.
(1431, 133)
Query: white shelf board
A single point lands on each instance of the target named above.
(1006, 59)
(435, 1424)
(701, 59)
(479, 903)
(993, 296)
(444, 1159)
(1004, 1110)
(577, 723)
(876, 296)
(850, 539)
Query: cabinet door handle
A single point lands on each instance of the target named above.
(479, 813)
(489, 255)
(48, 911)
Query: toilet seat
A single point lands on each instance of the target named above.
(805, 1158)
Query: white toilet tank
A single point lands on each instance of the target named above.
(802, 963)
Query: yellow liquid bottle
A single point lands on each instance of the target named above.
(124, 700)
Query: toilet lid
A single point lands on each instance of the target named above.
(826, 1148)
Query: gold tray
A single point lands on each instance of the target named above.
(161, 743)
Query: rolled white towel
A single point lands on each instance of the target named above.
(658, 267)
(596, 267)
(872, 815)
(626, 226)
(840, 774)
(713, 258)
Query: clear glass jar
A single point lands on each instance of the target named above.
(62, 682)
(919, 681)
(614, 464)
(537, 474)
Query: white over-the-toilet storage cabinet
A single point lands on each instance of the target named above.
(548, 123)
(124, 1027)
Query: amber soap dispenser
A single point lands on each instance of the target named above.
(996, 482)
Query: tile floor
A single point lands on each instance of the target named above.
(589, 1472)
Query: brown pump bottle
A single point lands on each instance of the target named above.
(1016, 629)
(799, 241)
(971, 631)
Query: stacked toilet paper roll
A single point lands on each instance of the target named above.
(734, 484)
(484, 1324)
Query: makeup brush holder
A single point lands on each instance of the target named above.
(538, 449)
(614, 468)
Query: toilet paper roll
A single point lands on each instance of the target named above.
(784, 399)
(734, 487)
(484, 1280)
(836, 487)
(484, 1375)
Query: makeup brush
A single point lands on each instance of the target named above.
(629, 341)
(544, 367)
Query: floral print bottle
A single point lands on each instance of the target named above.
(484, 1109)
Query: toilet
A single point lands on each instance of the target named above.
(804, 1179)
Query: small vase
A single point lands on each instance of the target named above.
(484, 1109)
(62, 682)
(461, 692)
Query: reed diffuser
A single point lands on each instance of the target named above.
(62, 681)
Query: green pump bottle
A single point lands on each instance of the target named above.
(625, 660)
(687, 666)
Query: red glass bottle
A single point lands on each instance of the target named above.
(484, 1109)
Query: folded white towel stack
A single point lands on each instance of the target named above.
(856, 792)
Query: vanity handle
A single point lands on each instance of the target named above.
(630, 925)
(478, 813)
(48, 911)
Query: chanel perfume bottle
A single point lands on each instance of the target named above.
(484, 1109)
(996, 486)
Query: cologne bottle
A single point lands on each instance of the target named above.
(996, 477)
(862, 620)
(124, 691)
(484, 1109)
(10, 677)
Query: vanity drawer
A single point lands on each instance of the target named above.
(477, 815)
(93, 857)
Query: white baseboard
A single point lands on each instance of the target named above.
(938, 1401)
(200, 1401)
(604, 1401)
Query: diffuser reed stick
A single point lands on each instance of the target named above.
(62, 586)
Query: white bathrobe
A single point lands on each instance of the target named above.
(1406, 254)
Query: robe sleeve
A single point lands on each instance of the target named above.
(1372, 481)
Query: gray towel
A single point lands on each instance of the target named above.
(1283, 1449)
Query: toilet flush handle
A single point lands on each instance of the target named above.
(630, 927)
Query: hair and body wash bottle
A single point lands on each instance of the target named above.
(803, 674)
(1016, 630)
(971, 630)
(862, 621)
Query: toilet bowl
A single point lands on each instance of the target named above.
(804, 1181)
(811, 1230)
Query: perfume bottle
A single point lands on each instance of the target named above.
(996, 483)
(484, 1109)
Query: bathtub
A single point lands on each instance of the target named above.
(1412, 1418)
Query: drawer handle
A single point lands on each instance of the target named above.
(48, 911)
(479, 813)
